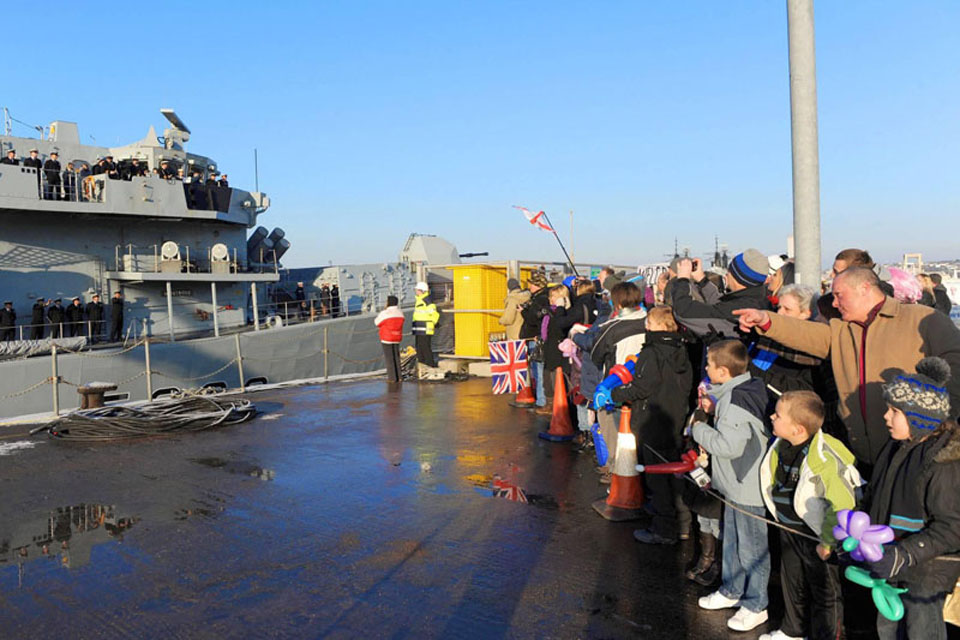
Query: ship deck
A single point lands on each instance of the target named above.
(351, 509)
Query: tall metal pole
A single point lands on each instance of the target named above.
(256, 313)
(571, 235)
(55, 379)
(213, 300)
(173, 338)
(803, 127)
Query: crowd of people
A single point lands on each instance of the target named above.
(50, 318)
(57, 183)
(799, 401)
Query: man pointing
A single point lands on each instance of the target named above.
(874, 334)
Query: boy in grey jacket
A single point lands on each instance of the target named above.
(737, 443)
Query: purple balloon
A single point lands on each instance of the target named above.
(857, 554)
(877, 534)
(870, 552)
(858, 523)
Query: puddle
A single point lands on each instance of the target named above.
(239, 467)
(9, 448)
(65, 535)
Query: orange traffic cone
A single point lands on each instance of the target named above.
(526, 398)
(561, 427)
(625, 501)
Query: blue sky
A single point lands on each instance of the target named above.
(648, 120)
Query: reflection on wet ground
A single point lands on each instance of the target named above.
(345, 510)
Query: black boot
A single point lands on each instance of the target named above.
(708, 552)
(709, 576)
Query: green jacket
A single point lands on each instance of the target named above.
(425, 315)
(828, 483)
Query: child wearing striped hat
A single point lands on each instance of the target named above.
(914, 490)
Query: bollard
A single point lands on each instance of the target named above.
(55, 378)
(236, 338)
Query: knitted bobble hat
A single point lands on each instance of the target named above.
(922, 396)
(750, 268)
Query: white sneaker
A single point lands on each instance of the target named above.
(717, 600)
(745, 620)
(778, 635)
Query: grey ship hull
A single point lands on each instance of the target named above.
(318, 350)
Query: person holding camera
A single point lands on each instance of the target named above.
(532, 313)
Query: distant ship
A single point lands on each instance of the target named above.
(161, 226)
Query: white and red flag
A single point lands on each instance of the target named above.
(536, 219)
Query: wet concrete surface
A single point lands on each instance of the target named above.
(344, 510)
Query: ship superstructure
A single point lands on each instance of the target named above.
(169, 244)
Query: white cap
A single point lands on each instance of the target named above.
(775, 263)
(422, 286)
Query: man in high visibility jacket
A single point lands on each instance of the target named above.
(425, 316)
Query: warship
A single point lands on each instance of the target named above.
(206, 300)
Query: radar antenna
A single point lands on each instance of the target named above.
(176, 136)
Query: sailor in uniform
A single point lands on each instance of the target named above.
(36, 319)
(34, 162)
(116, 317)
(55, 316)
(111, 168)
(51, 172)
(95, 316)
(8, 320)
(223, 181)
(74, 315)
(11, 158)
(166, 171)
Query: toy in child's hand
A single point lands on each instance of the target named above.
(864, 541)
(885, 597)
(599, 445)
(688, 461)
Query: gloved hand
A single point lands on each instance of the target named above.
(894, 559)
(601, 398)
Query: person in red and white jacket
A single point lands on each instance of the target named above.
(390, 322)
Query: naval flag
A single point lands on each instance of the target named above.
(508, 366)
(536, 219)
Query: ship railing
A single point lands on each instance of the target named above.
(94, 330)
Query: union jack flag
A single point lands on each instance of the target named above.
(503, 489)
(508, 365)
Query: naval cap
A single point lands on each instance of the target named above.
(34, 151)
(7, 302)
(9, 151)
(57, 300)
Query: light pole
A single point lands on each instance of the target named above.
(803, 127)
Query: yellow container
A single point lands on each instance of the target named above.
(476, 287)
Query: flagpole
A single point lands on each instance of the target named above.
(554, 230)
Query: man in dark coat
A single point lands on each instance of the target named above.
(95, 317)
(56, 316)
(100, 167)
(223, 182)
(37, 319)
(34, 162)
(335, 300)
(116, 317)
(51, 173)
(74, 315)
(325, 299)
(8, 320)
(11, 158)
(942, 301)
(745, 283)
(113, 172)
(300, 296)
